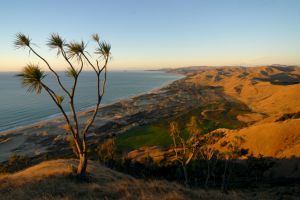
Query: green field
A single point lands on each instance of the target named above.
(157, 134)
(150, 135)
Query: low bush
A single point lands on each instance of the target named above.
(15, 163)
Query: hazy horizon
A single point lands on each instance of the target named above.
(120, 69)
(158, 34)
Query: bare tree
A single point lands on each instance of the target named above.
(184, 149)
(208, 151)
(33, 76)
(232, 152)
(194, 128)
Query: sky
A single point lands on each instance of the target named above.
(152, 34)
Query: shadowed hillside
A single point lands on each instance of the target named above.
(54, 180)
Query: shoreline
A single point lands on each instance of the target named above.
(171, 99)
(48, 137)
(59, 116)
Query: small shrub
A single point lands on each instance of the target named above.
(15, 163)
(107, 151)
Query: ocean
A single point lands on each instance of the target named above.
(18, 107)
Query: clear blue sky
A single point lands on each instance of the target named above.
(159, 33)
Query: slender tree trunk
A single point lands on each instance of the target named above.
(186, 179)
(224, 186)
(208, 175)
(81, 169)
(213, 167)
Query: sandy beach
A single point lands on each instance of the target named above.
(49, 135)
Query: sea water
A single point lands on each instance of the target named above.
(18, 107)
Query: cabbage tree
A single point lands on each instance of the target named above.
(32, 77)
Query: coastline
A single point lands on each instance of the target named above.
(48, 136)
(171, 99)
(164, 103)
(58, 116)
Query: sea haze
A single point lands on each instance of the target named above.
(19, 107)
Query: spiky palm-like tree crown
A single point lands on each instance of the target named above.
(96, 37)
(71, 72)
(104, 50)
(75, 49)
(32, 77)
(55, 41)
(22, 40)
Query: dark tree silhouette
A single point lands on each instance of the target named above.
(208, 151)
(232, 153)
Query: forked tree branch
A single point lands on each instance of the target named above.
(52, 70)
(53, 95)
(94, 68)
(100, 95)
(73, 88)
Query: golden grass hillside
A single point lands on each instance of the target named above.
(269, 91)
(273, 139)
(277, 140)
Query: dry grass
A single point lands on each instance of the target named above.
(53, 180)
(253, 86)
(274, 139)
